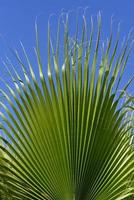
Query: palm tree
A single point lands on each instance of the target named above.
(67, 135)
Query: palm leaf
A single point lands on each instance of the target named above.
(66, 135)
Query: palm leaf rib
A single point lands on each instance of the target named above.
(66, 135)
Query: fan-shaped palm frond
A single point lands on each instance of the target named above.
(66, 135)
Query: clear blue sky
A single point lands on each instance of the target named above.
(17, 18)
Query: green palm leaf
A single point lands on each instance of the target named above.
(66, 136)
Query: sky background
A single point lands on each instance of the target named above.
(17, 19)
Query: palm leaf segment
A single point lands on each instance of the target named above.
(70, 140)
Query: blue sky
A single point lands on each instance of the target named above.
(17, 18)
